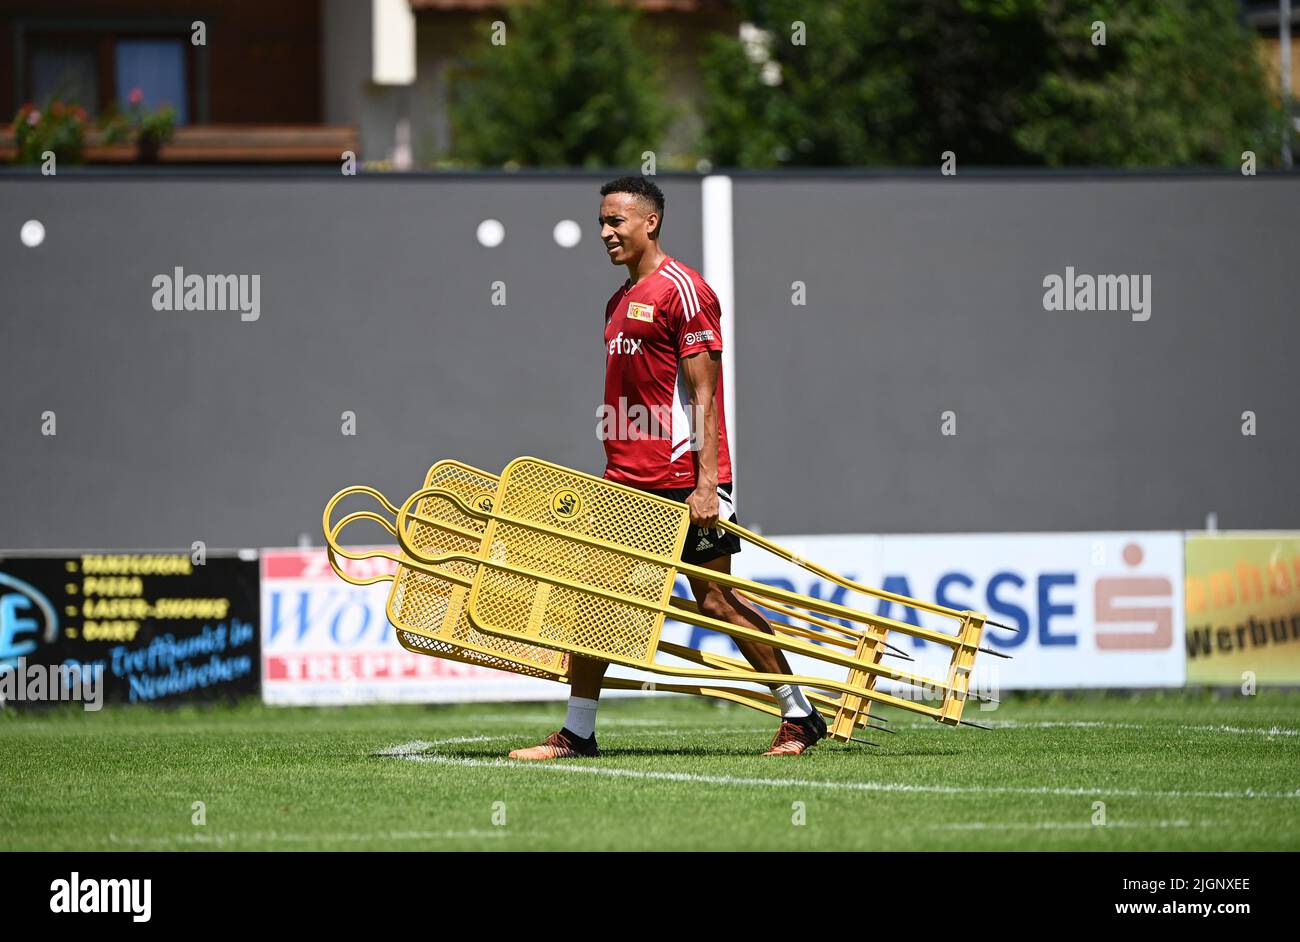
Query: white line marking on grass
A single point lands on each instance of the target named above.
(1270, 732)
(1018, 724)
(688, 730)
(552, 717)
(418, 751)
(201, 839)
(419, 746)
(1066, 825)
(521, 737)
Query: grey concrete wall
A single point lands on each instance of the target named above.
(927, 295)
(923, 296)
(376, 298)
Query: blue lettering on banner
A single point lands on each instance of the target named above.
(241, 633)
(817, 589)
(276, 616)
(955, 589)
(337, 620)
(12, 625)
(1000, 607)
(168, 665)
(1046, 609)
(941, 590)
(187, 677)
(332, 612)
(898, 585)
(838, 596)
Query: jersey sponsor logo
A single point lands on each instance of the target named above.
(637, 311)
(624, 345)
(566, 504)
(698, 336)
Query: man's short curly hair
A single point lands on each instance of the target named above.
(642, 188)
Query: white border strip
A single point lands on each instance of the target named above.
(719, 272)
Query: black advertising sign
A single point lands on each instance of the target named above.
(156, 627)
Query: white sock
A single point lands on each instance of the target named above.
(581, 720)
(793, 703)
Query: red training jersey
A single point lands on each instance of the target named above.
(646, 422)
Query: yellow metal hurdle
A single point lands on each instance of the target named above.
(426, 604)
(581, 565)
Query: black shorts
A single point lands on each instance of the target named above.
(705, 544)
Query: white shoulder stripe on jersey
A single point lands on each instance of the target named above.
(691, 307)
(687, 307)
(690, 284)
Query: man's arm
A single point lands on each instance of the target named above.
(701, 370)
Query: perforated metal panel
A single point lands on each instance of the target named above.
(431, 608)
(605, 511)
(635, 540)
(419, 644)
(569, 564)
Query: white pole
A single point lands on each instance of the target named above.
(719, 272)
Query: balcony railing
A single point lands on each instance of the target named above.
(224, 143)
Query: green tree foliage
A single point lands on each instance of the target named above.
(1177, 84)
(1000, 82)
(574, 84)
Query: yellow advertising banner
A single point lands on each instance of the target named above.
(1243, 609)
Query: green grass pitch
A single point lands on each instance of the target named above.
(1175, 771)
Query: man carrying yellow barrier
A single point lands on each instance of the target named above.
(553, 573)
(663, 343)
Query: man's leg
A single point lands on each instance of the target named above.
(578, 737)
(801, 725)
(724, 604)
(585, 676)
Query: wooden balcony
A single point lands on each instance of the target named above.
(224, 144)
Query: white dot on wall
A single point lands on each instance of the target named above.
(32, 233)
(567, 233)
(490, 233)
